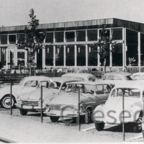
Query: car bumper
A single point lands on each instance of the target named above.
(29, 107)
(68, 114)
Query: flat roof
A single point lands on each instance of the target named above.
(110, 22)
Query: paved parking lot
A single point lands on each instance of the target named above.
(30, 129)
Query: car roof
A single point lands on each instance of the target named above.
(37, 78)
(138, 73)
(83, 75)
(63, 79)
(93, 83)
(118, 73)
(130, 84)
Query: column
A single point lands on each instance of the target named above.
(86, 49)
(98, 56)
(110, 49)
(75, 57)
(54, 52)
(139, 51)
(64, 51)
(124, 46)
(43, 56)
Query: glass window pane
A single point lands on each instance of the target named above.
(3, 39)
(70, 36)
(12, 39)
(117, 55)
(59, 55)
(117, 34)
(80, 35)
(70, 55)
(49, 37)
(49, 55)
(92, 35)
(21, 37)
(59, 36)
(92, 55)
(81, 55)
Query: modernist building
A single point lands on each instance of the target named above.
(71, 44)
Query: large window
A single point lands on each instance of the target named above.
(49, 55)
(117, 34)
(132, 47)
(59, 36)
(49, 37)
(92, 35)
(59, 55)
(142, 49)
(70, 36)
(80, 35)
(21, 37)
(92, 55)
(2, 56)
(3, 39)
(81, 55)
(117, 55)
(21, 57)
(12, 39)
(70, 55)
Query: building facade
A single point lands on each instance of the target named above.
(71, 44)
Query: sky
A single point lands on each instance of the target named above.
(16, 12)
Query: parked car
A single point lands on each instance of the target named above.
(31, 101)
(66, 104)
(80, 76)
(138, 76)
(126, 95)
(27, 84)
(117, 76)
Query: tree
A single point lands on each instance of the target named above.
(33, 40)
(105, 44)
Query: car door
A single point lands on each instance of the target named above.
(102, 92)
(29, 85)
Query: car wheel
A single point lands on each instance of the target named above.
(54, 119)
(99, 126)
(6, 102)
(23, 112)
(87, 117)
(137, 127)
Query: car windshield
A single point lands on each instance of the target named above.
(54, 85)
(126, 92)
(87, 88)
(22, 81)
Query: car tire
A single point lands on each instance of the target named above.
(87, 117)
(99, 126)
(23, 112)
(137, 127)
(5, 102)
(54, 119)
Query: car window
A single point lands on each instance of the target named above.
(118, 78)
(111, 77)
(126, 92)
(31, 83)
(55, 85)
(63, 86)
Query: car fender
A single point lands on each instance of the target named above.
(98, 114)
(4, 93)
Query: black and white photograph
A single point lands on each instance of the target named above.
(71, 71)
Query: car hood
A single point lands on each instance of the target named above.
(70, 99)
(36, 94)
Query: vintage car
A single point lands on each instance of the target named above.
(124, 102)
(138, 76)
(27, 84)
(31, 101)
(117, 76)
(80, 76)
(66, 104)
